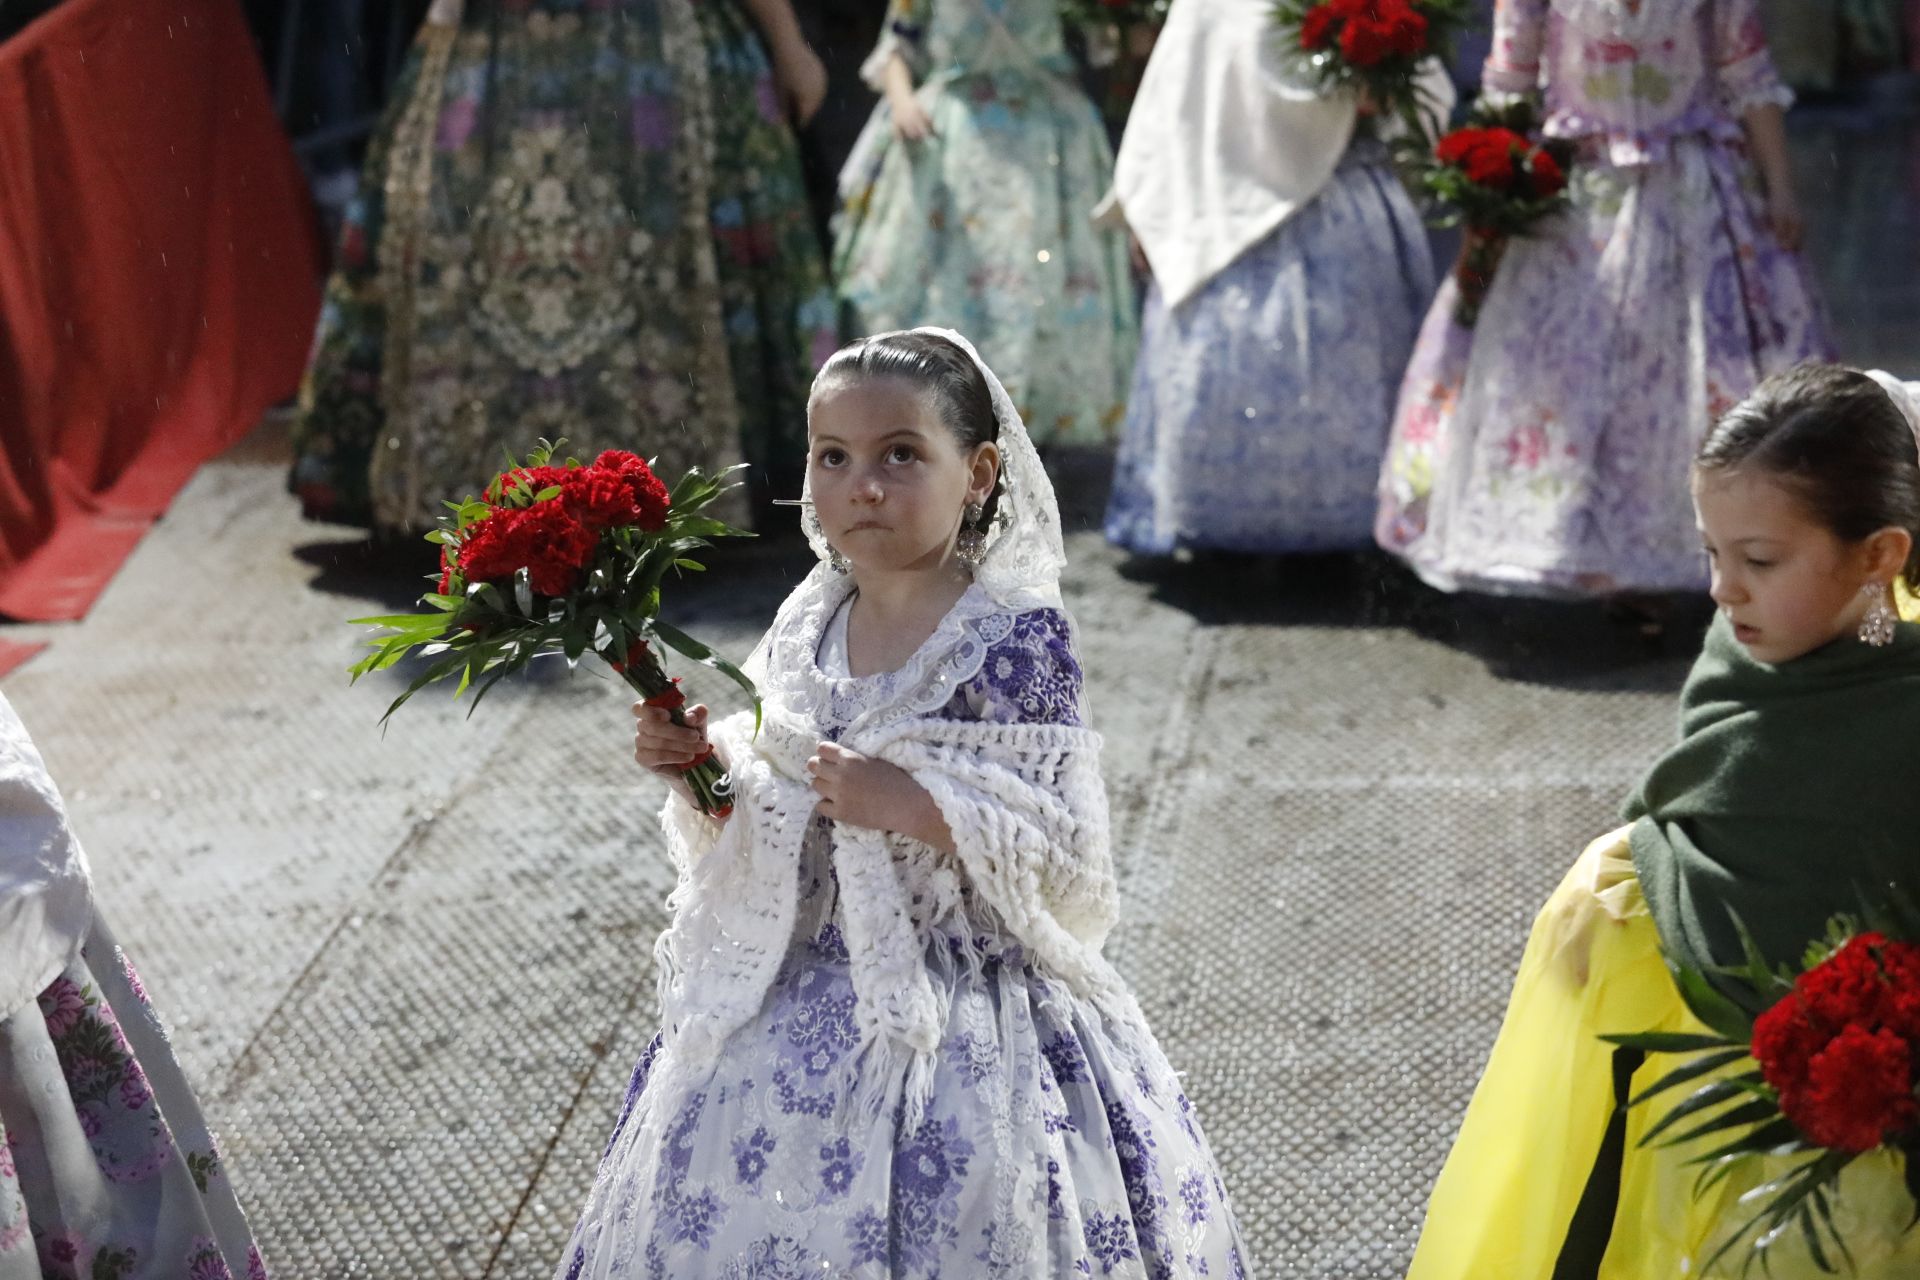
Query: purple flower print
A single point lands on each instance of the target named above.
(837, 1168)
(1193, 1197)
(1110, 1241)
(256, 1265)
(457, 119)
(205, 1262)
(1064, 1055)
(61, 1250)
(928, 1171)
(750, 1156)
(132, 976)
(135, 1093)
(768, 98)
(655, 122)
(867, 1238)
(63, 1005)
(695, 1217)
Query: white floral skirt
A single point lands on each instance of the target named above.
(107, 1170)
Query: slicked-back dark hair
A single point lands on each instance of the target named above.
(1834, 438)
(936, 368)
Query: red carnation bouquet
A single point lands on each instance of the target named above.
(565, 559)
(1495, 180)
(1823, 1064)
(1375, 47)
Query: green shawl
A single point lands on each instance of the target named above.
(1794, 791)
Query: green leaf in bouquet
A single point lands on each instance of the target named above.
(1707, 1003)
(1707, 1062)
(523, 593)
(1747, 1113)
(437, 671)
(705, 527)
(439, 536)
(688, 647)
(575, 638)
(551, 491)
(1668, 1041)
(409, 622)
(1777, 1137)
(1823, 1206)
(690, 566)
(1701, 1100)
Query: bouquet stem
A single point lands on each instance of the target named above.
(712, 786)
(1480, 255)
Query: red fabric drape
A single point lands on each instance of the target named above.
(159, 262)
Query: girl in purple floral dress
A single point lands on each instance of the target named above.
(107, 1170)
(1545, 450)
(890, 1046)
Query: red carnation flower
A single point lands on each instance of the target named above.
(1490, 161)
(446, 571)
(557, 547)
(1457, 146)
(535, 479)
(602, 499)
(650, 498)
(1316, 28)
(489, 549)
(543, 539)
(1859, 1090)
(1546, 175)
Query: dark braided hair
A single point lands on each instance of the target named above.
(939, 370)
(1835, 439)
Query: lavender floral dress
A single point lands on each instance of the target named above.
(107, 1170)
(1546, 450)
(1260, 405)
(769, 1174)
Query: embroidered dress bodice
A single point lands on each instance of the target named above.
(1636, 74)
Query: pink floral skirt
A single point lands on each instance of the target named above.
(1545, 451)
(107, 1170)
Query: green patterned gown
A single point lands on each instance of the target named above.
(578, 219)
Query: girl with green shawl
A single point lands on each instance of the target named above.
(1788, 795)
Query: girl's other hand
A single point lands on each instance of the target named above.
(911, 123)
(863, 792)
(801, 79)
(1783, 211)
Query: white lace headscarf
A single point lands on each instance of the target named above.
(1905, 397)
(1025, 552)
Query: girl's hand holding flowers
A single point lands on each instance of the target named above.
(863, 792)
(666, 748)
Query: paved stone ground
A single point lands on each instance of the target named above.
(411, 971)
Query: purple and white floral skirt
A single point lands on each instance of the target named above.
(107, 1170)
(1546, 450)
(1041, 1128)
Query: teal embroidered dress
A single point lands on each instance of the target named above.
(985, 226)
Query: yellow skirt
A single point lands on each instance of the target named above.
(1533, 1134)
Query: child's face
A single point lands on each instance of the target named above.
(890, 482)
(1786, 582)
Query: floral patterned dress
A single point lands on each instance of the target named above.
(984, 227)
(1261, 404)
(579, 219)
(1546, 450)
(769, 1171)
(107, 1170)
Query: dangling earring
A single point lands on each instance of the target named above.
(971, 545)
(1876, 628)
(837, 562)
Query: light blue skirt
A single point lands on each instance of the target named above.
(1260, 406)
